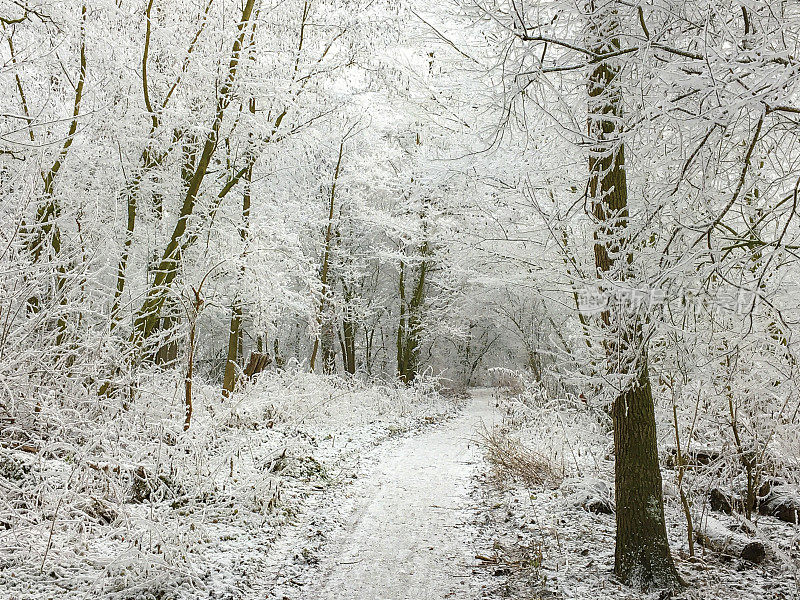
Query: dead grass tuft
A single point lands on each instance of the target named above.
(512, 461)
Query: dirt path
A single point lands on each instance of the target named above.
(402, 530)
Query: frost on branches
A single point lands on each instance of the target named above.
(234, 234)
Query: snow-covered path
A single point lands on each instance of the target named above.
(405, 528)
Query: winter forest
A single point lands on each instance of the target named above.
(399, 299)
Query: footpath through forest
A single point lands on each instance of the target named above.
(404, 529)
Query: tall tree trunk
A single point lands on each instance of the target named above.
(348, 343)
(326, 335)
(347, 334)
(328, 347)
(149, 160)
(369, 337)
(404, 369)
(148, 315)
(132, 190)
(235, 331)
(45, 235)
(234, 343)
(409, 330)
(642, 556)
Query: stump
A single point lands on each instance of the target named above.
(257, 363)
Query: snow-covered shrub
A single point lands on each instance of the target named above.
(101, 496)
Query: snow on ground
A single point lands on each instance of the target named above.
(305, 487)
(551, 546)
(403, 530)
(120, 503)
(556, 549)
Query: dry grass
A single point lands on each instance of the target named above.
(509, 383)
(512, 461)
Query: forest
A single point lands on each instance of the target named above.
(394, 299)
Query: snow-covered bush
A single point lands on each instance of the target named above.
(115, 498)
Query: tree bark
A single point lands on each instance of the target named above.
(132, 190)
(147, 317)
(409, 330)
(642, 556)
(326, 329)
(234, 343)
(150, 160)
(348, 343)
(235, 331)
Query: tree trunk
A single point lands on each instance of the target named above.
(328, 346)
(235, 332)
(348, 342)
(409, 331)
(147, 316)
(405, 369)
(234, 342)
(326, 335)
(642, 556)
